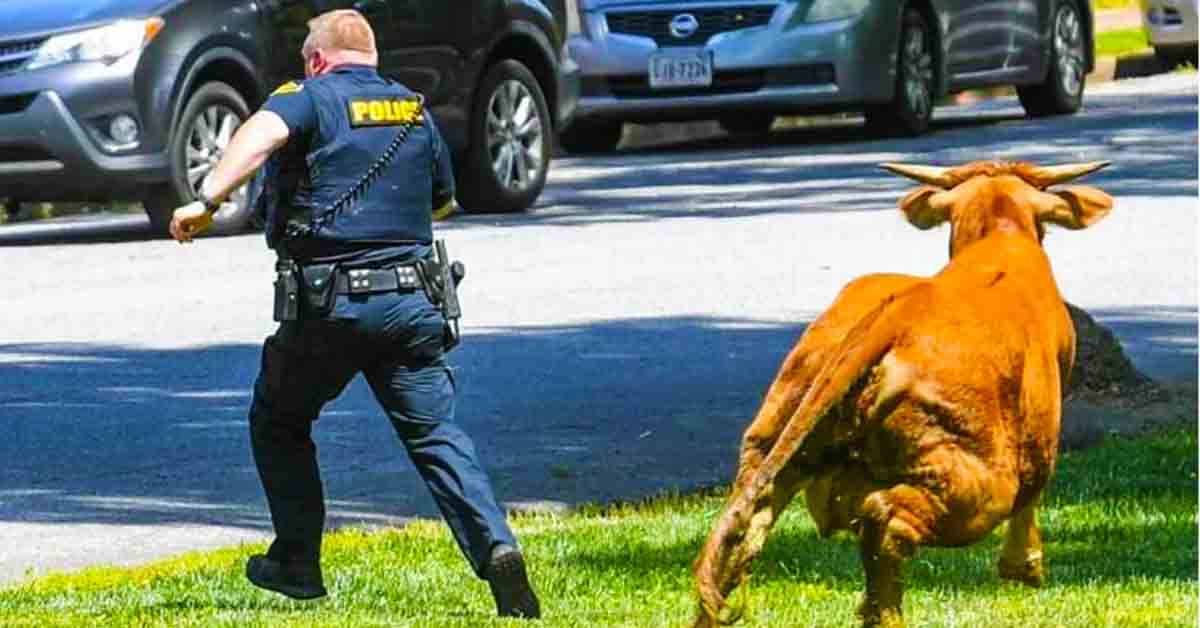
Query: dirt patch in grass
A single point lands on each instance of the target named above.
(1108, 395)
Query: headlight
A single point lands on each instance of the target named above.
(827, 10)
(105, 43)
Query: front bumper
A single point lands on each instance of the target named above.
(51, 140)
(782, 66)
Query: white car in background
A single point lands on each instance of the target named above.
(1171, 29)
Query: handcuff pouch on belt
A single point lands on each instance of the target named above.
(311, 287)
(319, 281)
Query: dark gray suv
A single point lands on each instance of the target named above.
(104, 100)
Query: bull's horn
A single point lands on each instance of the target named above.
(1046, 176)
(931, 175)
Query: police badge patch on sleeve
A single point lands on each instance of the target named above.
(290, 87)
(384, 111)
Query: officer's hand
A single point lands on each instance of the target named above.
(190, 221)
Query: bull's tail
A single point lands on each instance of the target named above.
(721, 562)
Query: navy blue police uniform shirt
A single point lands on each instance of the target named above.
(339, 124)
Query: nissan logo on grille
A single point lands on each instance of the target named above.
(684, 25)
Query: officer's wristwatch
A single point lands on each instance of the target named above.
(210, 205)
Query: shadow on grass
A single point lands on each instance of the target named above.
(1116, 513)
(795, 554)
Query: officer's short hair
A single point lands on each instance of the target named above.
(344, 29)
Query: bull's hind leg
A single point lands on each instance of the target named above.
(892, 524)
(1021, 558)
(960, 500)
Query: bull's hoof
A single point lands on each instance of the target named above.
(704, 621)
(1028, 572)
(873, 616)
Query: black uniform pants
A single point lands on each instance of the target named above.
(394, 339)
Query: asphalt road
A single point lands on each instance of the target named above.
(619, 336)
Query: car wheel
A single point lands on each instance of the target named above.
(212, 114)
(747, 124)
(1062, 91)
(591, 137)
(911, 108)
(509, 152)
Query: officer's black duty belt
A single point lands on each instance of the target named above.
(364, 280)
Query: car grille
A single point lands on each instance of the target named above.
(657, 24)
(14, 55)
(724, 82)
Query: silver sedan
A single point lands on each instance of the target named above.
(745, 62)
(1171, 29)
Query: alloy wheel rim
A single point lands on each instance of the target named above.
(918, 72)
(514, 136)
(208, 138)
(1068, 41)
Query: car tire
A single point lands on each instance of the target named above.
(510, 148)
(211, 114)
(1062, 91)
(582, 138)
(747, 124)
(912, 103)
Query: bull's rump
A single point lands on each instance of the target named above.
(967, 392)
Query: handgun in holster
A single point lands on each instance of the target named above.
(440, 278)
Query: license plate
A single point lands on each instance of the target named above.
(681, 69)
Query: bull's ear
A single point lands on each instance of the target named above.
(1080, 207)
(926, 207)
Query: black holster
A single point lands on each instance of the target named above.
(440, 278)
(287, 290)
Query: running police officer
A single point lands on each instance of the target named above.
(354, 167)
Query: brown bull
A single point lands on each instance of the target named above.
(921, 411)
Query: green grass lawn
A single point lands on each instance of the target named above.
(1119, 525)
(1120, 42)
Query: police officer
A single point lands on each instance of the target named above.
(354, 170)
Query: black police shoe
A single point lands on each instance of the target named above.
(301, 581)
(510, 584)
